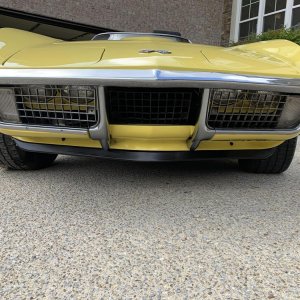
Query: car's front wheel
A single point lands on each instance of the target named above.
(277, 163)
(12, 157)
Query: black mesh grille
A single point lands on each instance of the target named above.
(174, 106)
(240, 109)
(68, 106)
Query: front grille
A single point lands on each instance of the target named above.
(62, 106)
(159, 106)
(244, 109)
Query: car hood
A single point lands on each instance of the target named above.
(277, 58)
(57, 55)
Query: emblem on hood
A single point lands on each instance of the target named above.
(155, 51)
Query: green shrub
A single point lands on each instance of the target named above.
(284, 33)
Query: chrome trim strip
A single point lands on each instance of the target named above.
(249, 132)
(148, 77)
(18, 127)
(95, 133)
(202, 132)
(100, 132)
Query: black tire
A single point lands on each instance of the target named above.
(275, 164)
(14, 158)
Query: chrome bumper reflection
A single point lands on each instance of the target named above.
(149, 77)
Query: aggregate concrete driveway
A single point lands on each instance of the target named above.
(92, 229)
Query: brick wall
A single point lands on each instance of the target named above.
(199, 20)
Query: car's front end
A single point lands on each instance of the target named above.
(154, 106)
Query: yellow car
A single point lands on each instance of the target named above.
(147, 97)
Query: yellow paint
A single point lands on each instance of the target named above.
(177, 138)
(238, 145)
(154, 145)
(53, 138)
(13, 40)
(149, 145)
(42, 134)
(58, 55)
(151, 132)
(76, 142)
(151, 138)
(279, 50)
(278, 58)
(255, 137)
(179, 145)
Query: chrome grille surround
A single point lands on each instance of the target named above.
(59, 106)
(245, 109)
(155, 106)
(151, 78)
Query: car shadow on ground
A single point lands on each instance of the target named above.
(221, 173)
(210, 166)
(79, 180)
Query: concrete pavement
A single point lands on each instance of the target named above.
(92, 229)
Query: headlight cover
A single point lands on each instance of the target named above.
(290, 117)
(8, 109)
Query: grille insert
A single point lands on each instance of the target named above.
(159, 106)
(61, 106)
(243, 109)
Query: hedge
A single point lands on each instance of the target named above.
(284, 33)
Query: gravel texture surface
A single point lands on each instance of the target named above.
(92, 229)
